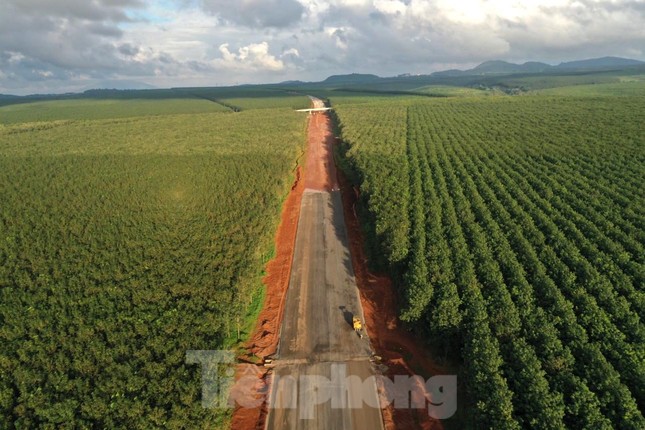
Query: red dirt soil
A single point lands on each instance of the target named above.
(320, 169)
(264, 340)
(319, 174)
(388, 338)
(378, 298)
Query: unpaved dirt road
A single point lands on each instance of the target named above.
(321, 378)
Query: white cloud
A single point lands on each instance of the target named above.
(390, 6)
(350, 3)
(340, 36)
(254, 57)
(53, 44)
(291, 51)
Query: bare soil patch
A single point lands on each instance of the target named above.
(320, 169)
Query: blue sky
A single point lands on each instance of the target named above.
(155, 13)
(71, 45)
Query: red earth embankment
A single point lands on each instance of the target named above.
(320, 169)
(264, 339)
(400, 352)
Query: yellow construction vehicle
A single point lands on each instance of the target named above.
(358, 326)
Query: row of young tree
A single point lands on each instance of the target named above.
(118, 257)
(524, 250)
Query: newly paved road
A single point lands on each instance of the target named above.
(322, 296)
(321, 379)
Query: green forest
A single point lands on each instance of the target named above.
(126, 241)
(514, 228)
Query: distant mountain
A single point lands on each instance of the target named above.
(497, 67)
(119, 84)
(600, 63)
(493, 67)
(296, 82)
(504, 67)
(354, 78)
(535, 67)
(449, 73)
(488, 67)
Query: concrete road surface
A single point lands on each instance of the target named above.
(322, 374)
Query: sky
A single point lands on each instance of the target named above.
(53, 46)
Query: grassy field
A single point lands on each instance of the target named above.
(91, 109)
(449, 91)
(125, 242)
(253, 97)
(626, 87)
(516, 230)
